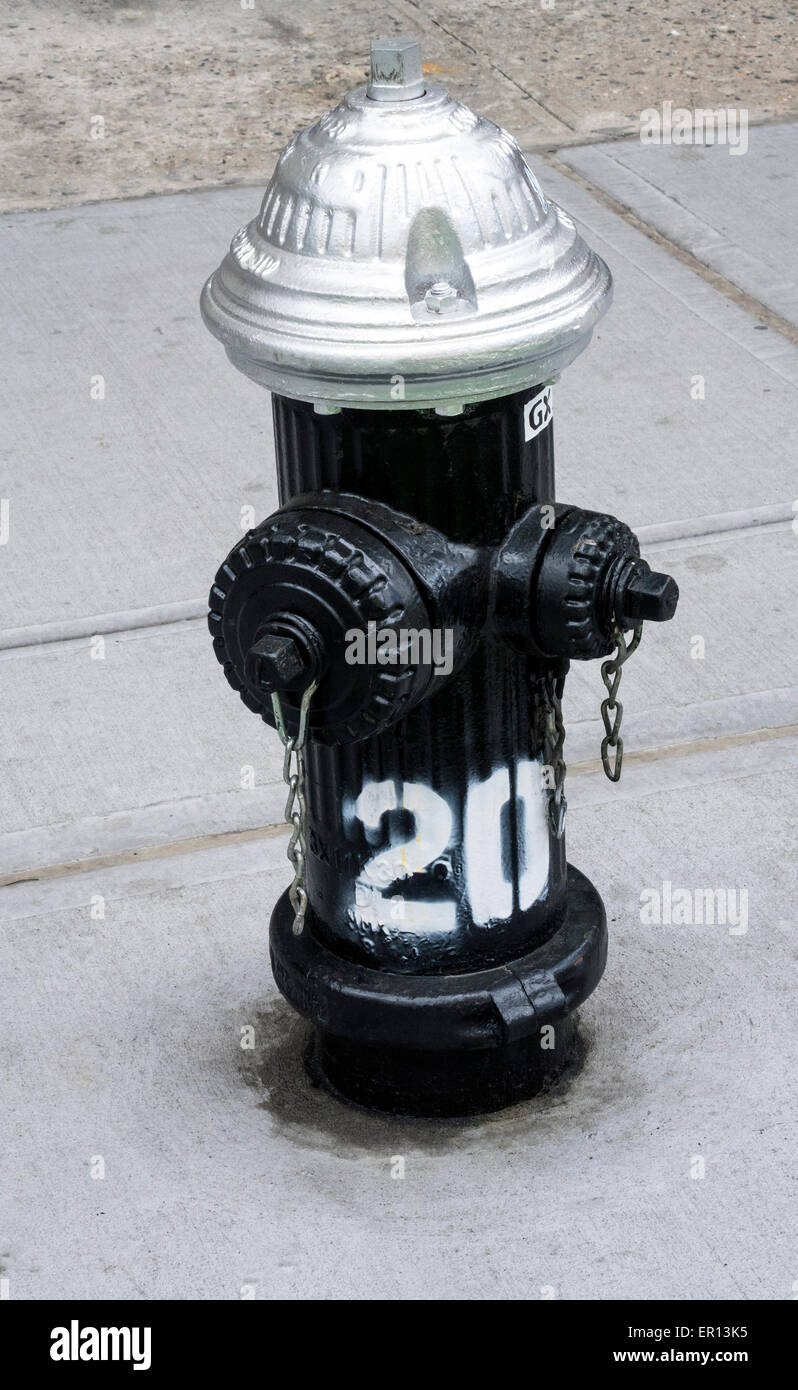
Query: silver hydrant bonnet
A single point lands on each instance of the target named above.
(404, 241)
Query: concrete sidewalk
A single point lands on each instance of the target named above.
(119, 100)
(141, 862)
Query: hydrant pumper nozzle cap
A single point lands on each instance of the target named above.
(404, 256)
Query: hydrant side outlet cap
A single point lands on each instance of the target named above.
(404, 255)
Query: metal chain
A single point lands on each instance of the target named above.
(554, 736)
(294, 778)
(611, 708)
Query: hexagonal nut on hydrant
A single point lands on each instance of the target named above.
(275, 662)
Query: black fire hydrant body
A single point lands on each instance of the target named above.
(407, 617)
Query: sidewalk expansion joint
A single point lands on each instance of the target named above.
(718, 282)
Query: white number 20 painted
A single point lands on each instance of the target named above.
(488, 878)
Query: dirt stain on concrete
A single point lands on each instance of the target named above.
(281, 1070)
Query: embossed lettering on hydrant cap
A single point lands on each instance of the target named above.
(404, 236)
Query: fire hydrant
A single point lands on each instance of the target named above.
(406, 619)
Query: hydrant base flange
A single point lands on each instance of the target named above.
(445, 1044)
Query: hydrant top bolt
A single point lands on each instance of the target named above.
(396, 73)
(441, 298)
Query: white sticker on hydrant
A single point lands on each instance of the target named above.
(537, 414)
